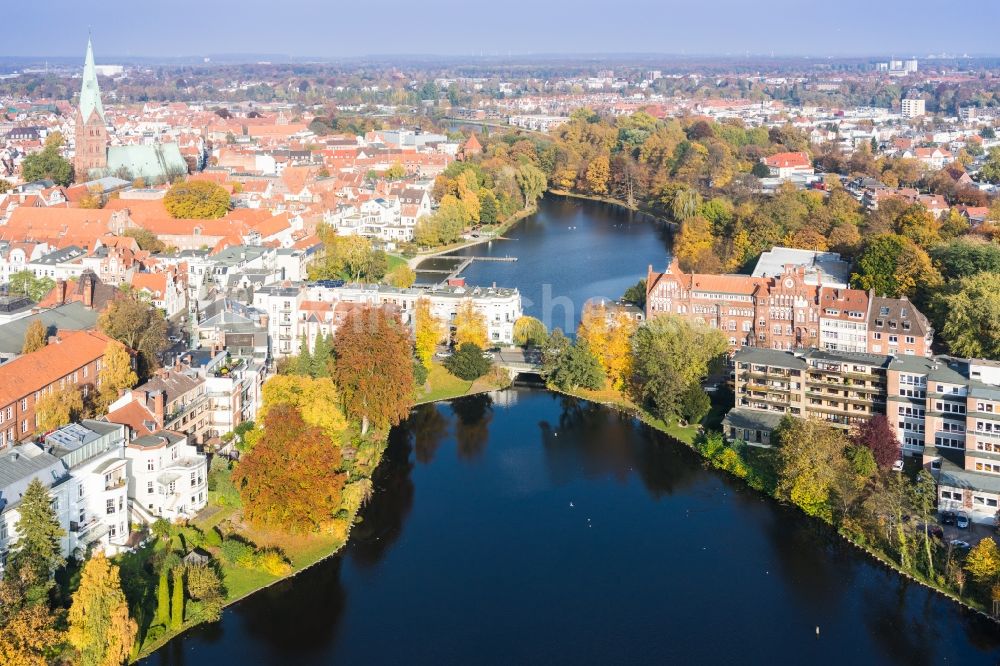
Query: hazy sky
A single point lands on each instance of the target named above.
(335, 28)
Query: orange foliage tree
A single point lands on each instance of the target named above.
(374, 370)
(292, 478)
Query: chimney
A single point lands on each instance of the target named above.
(87, 281)
(159, 400)
(61, 291)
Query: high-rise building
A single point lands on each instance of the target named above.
(913, 107)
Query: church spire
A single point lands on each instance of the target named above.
(90, 92)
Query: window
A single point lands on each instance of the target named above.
(989, 468)
(893, 339)
(909, 340)
(193, 477)
(150, 465)
(984, 501)
(110, 505)
(24, 404)
(149, 487)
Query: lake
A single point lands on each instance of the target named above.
(570, 251)
(526, 527)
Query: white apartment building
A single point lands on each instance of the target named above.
(167, 477)
(500, 307)
(94, 454)
(913, 107)
(19, 466)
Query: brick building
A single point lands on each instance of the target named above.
(70, 359)
(791, 310)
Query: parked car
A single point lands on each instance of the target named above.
(897, 466)
(932, 529)
(948, 517)
(958, 543)
(962, 521)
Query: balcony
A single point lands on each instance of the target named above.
(114, 484)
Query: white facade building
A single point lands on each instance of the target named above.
(168, 477)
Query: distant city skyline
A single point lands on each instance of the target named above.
(321, 29)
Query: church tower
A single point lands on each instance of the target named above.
(91, 128)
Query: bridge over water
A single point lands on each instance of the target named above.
(519, 361)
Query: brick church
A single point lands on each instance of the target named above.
(94, 155)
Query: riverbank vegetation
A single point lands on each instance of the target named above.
(706, 177)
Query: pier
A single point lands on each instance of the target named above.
(451, 273)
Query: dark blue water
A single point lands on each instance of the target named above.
(531, 528)
(570, 251)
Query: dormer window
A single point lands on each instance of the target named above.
(884, 311)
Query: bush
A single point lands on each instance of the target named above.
(272, 562)
(236, 551)
(695, 404)
(213, 538)
(468, 362)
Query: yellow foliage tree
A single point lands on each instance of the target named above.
(35, 337)
(468, 195)
(470, 325)
(99, 624)
(598, 174)
(29, 638)
(693, 242)
(595, 330)
(618, 353)
(58, 408)
(116, 374)
(429, 332)
(316, 399)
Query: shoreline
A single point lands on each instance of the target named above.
(614, 202)
(415, 262)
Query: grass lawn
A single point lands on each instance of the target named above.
(442, 385)
(395, 261)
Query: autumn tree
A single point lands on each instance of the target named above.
(529, 332)
(429, 332)
(877, 435)
(292, 477)
(401, 276)
(197, 199)
(532, 182)
(145, 239)
(30, 638)
(116, 375)
(983, 562)
(138, 325)
(598, 174)
(470, 325)
(57, 408)
(373, 368)
(811, 456)
(99, 624)
(35, 337)
(37, 553)
(316, 399)
(693, 245)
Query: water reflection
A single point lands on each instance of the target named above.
(660, 560)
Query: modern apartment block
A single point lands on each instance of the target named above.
(947, 411)
(840, 388)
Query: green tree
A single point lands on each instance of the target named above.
(48, 164)
(555, 346)
(139, 326)
(303, 362)
(35, 337)
(197, 199)
(965, 257)
(468, 362)
(321, 355)
(695, 404)
(894, 266)
(636, 294)
(971, 314)
(532, 182)
(529, 332)
(576, 366)
(25, 282)
(99, 624)
(177, 599)
(162, 616)
(37, 553)
(489, 208)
